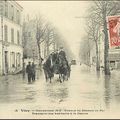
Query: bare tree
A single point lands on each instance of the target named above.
(85, 48)
(47, 37)
(102, 9)
(93, 36)
(40, 31)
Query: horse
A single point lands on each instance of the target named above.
(64, 69)
(48, 70)
(58, 66)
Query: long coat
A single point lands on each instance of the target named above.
(29, 69)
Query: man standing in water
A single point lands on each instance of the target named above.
(29, 71)
(33, 72)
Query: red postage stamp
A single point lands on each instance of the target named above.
(114, 30)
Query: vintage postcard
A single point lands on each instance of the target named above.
(59, 59)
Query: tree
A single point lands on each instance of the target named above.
(102, 9)
(93, 36)
(47, 37)
(85, 48)
(40, 31)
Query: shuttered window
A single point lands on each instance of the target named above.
(6, 33)
(12, 35)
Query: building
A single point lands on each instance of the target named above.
(114, 58)
(114, 54)
(11, 50)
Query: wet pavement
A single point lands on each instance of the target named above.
(85, 89)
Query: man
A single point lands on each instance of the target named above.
(62, 53)
(55, 58)
(29, 71)
(33, 72)
(23, 70)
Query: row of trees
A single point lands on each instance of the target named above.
(43, 31)
(97, 19)
(39, 30)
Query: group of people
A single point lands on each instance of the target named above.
(31, 71)
(31, 68)
(56, 62)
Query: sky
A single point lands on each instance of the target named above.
(66, 16)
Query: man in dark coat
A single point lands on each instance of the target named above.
(29, 72)
(55, 60)
(33, 72)
(62, 53)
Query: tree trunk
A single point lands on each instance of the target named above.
(97, 58)
(47, 43)
(106, 47)
(47, 48)
(39, 53)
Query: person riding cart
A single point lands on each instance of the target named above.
(62, 53)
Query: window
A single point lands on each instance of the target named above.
(18, 37)
(18, 16)
(5, 33)
(18, 58)
(12, 59)
(12, 35)
(15, 15)
(6, 9)
(12, 12)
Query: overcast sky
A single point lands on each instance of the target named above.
(65, 15)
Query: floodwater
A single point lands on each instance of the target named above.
(85, 90)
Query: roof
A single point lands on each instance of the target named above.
(15, 2)
(18, 4)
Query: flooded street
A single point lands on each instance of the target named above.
(84, 90)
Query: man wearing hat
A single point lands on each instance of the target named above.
(62, 53)
(29, 72)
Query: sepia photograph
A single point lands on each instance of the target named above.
(59, 59)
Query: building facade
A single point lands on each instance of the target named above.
(11, 50)
(114, 54)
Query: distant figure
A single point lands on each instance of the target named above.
(23, 70)
(29, 71)
(33, 72)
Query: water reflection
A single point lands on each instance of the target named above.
(98, 74)
(57, 92)
(117, 90)
(107, 93)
